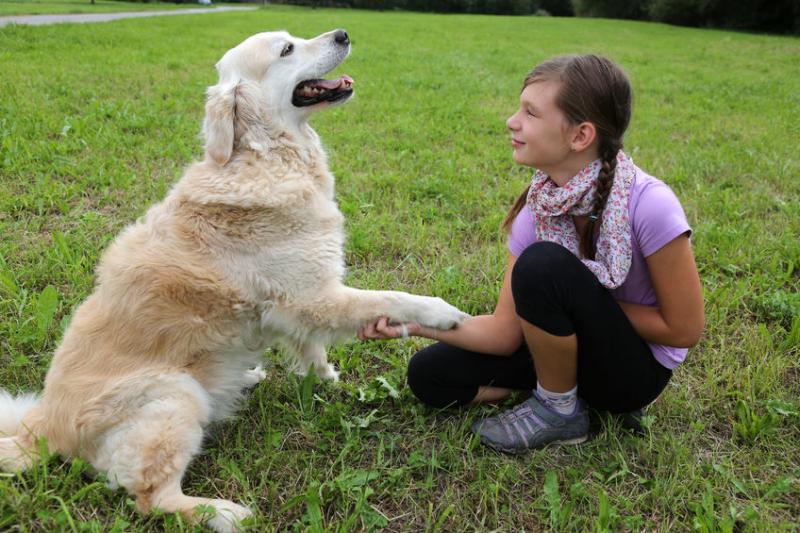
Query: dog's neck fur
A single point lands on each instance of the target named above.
(265, 170)
(285, 150)
(281, 144)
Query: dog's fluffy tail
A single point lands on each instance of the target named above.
(12, 411)
(15, 450)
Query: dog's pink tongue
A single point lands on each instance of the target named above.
(335, 84)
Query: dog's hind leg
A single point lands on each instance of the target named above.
(310, 354)
(313, 354)
(222, 516)
(15, 454)
(148, 451)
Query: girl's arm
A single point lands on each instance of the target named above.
(679, 318)
(497, 334)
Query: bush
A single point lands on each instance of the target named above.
(495, 7)
(768, 15)
(615, 9)
(782, 16)
(557, 8)
(683, 12)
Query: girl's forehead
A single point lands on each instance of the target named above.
(540, 93)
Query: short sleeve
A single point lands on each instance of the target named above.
(657, 218)
(523, 233)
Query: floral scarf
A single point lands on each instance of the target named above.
(554, 206)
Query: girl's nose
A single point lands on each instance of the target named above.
(511, 123)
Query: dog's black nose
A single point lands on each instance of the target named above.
(341, 37)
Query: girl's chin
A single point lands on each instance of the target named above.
(521, 159)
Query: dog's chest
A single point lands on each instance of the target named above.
(294, 254)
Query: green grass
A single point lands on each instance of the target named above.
(97, 121)
(41, 7)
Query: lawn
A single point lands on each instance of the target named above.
(41, 7)
(97, 121)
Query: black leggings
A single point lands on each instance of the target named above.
(554, 291)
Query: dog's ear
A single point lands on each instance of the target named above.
(218, 125)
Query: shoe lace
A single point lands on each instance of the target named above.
(514, 413)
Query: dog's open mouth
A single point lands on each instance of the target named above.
(310, 92)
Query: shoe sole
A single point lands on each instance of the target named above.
(515, 451)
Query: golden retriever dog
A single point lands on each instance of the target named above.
(243, 253)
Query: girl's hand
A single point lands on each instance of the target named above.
(381, 329)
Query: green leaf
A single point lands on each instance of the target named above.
(603, 513)
(307, 390)
(62, 246)
(552, 497)
(7, 282)
(46, 306)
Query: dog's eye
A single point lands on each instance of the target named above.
(288, 49)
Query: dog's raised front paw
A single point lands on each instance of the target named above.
(439, 314)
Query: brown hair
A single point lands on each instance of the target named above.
(592, 89)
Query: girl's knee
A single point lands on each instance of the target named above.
(428, 372)
(541, 262)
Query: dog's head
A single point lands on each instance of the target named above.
(274, 81)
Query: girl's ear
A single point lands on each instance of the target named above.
(218, 125)
(583, 135)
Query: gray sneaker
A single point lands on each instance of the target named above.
(532, 424)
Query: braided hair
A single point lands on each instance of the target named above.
(605, 179)
(592, 89)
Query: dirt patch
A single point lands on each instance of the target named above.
(791, 378)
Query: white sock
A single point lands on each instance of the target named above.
(561, 402)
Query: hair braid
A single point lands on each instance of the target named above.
(605, 179)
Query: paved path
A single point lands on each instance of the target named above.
(36, 20)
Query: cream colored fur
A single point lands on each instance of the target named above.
(243, 253)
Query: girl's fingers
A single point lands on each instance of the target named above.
(389, 331)
(374, 330)
(381, 329)
(364, 333)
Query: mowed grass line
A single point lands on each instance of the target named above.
(42, 7)
(97, 121)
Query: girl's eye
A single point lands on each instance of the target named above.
(288, 49)
(530, 114)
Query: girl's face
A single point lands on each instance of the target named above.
(539, 130)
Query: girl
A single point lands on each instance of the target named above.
(601, 297)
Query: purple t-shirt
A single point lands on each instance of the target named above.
(656, 218)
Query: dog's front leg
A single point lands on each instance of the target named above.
(254, 376)
(344, 309)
